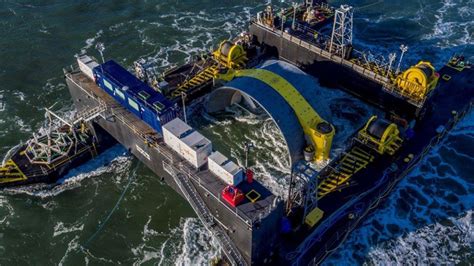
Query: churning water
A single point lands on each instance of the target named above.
(428, 219)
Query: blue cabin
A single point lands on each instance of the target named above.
(149, 105)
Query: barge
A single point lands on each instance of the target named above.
(270, 67)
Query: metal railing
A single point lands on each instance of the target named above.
(204, 214)
(333, 243)
(317, 42)
(182, 175)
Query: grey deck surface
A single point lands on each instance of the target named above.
(247, 210)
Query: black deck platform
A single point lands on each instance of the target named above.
(451, 101)
(251, 226)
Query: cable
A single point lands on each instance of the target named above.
(368, 5)
(130, 179)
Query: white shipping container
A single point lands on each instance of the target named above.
(86, 65)
(171, 133)
(225, 169)
(187, 142)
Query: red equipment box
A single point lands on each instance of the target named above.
(232, 195)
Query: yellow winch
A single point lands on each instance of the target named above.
(417, 81)
(230, 55)
(380, 135)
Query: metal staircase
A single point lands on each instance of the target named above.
(204, 214)
(351, 163)
(203, 77)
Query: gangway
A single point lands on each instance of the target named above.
(204, 214)
(89, 114)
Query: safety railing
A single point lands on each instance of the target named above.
(177, 165)
(318, 43)
(333, 243)
(203, 212)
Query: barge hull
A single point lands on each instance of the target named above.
(331, 73)
(255, 240)
(451, 101)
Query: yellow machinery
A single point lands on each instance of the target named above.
(230, 55)
(352, 162)
(10, 172)
(319, 132)
(377, 135)
(380, 135)
(417, 81)
(227, 56)
(314, 217)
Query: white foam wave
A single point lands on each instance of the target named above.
(20, 95)
(115, 160)
(439, 243)
(23, 127)
(187, 244)
(61, 228)
(6, 210)
(453, 25)
(72, 246)
(91, 41)
(3, 105)
(12, 11)
(144, 253)
(198, 246)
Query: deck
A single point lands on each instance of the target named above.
(247, 211)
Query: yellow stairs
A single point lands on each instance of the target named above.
(10, 172)
(351, 163)
(200, 78)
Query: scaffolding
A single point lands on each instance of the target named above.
(59, 136)
(341, 37)
(303, 188)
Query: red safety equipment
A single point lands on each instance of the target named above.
(232, 195)
(249, 174)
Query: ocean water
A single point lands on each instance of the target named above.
(428, 219)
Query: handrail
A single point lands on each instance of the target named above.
(297, 255)
(193, 197)
(380, 76)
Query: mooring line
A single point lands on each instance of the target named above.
(101, 227)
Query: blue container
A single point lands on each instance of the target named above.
(149, 105)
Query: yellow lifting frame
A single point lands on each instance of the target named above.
(307, 116)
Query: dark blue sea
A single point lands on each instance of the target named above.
(427, 220)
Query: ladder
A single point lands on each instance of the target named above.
(204, 214)
(203, 77)
(352, 162)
